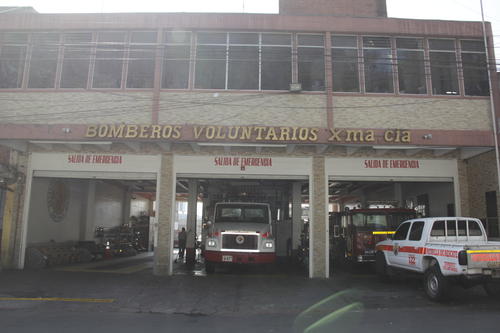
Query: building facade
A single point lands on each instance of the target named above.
(331, 102)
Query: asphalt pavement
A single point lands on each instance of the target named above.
(239, 300)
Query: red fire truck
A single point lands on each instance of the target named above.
(357, 231)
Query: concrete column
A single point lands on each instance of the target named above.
(87, 228)
(9, 226)
(296, 216)
(165, 198)
(318, 228)
(461, 188)
(398, 194)
(191, 221)
(127, 198)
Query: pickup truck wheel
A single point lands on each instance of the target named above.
(381, 267)
(435, 284)
(492, 289)
(209, 267)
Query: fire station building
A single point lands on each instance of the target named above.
(111, 119)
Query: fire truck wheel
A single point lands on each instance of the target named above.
(209, 267)
(435, 284)
(381, 267)
(492, 289)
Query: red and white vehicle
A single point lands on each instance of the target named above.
(240, 233)
(444, 250)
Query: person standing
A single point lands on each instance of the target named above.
(182, 242)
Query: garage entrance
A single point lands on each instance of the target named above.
(88, 207)
(280, 182)
(369, 198)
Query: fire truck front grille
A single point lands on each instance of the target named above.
(239, 242)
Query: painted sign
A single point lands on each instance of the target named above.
(392, 164)
(243, 162)
(94, 159)
(283, 134)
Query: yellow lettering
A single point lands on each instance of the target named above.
(143, 133)
(198, 131)
(314, 134)
(116, 132)
(246, 133)
(232, 134)
(91, 131)
(354, 135)
(335, 135)
(406, 137)
(285, 134)
(259, 130)
(177, 132)
(294, 135)
(303, 134)
(370, 136)
(271, 134)
(389, 136)
(166, 133)
(220, 133)
(132, 131)
(155, 132)
(210, 132)
(103, 131)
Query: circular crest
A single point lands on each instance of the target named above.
(240, 239)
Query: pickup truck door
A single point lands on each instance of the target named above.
(395, 257)
(411, 248)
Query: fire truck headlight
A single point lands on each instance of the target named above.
(211, 243)
(268, 245)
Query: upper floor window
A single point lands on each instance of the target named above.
(276, 61)
(411, 68)
(345, 60)
(443, 67)
(243, 61)
(475, 68)
(108, 68)
(311, 61)
(211, 61)
(141, 59)
(176, 60)
(378, 65)
(43, 61)
(12, 58)
(76, 60)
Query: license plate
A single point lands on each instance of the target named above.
(227, 258)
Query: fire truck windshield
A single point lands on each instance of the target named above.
(379, 221)
(241, 214)
(370, 221)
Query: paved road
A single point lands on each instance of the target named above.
(232, 301)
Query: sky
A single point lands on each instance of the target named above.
(469, 10)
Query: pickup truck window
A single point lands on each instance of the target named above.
(474, 229)
(451, 228)
(462, 228)
(438, 229)
(416, 231)
(402, 231)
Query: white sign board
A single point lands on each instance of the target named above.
(95, 162)
(391, 167)
(236, 165)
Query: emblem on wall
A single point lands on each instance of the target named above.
(58, 196)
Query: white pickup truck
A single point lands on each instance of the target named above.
(444, 250)
(240, 233)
